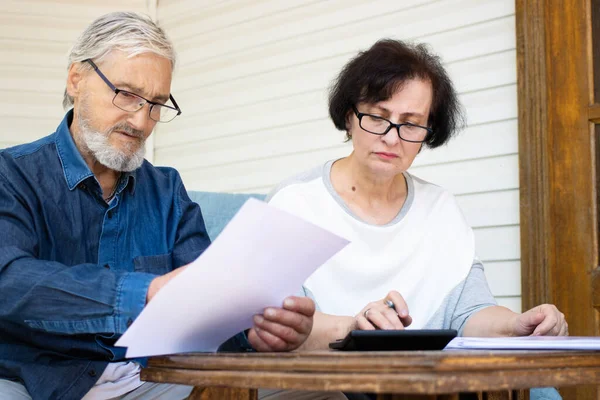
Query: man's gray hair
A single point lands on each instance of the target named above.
(126, 31)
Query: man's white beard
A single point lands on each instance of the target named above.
(98, 145)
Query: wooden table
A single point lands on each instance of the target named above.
(393, 375)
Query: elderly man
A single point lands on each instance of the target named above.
(90, 232)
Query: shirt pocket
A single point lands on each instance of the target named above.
(158, 265)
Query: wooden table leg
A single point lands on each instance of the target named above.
(522, 394)
(417, 397)
(497, 395)
(223, 393)
(507, 395)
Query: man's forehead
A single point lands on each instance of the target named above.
(147, 74)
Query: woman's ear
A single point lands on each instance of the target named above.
(348, 121)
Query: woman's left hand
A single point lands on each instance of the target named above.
(543, 320)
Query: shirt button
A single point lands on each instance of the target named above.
(110, 214)
(92, 373)
(107, 266)
(129, 322)
(83, 186)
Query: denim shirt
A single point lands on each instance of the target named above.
(74, 270)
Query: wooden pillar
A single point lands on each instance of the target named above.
(557, 159)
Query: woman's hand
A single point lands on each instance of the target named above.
(389, 313)
(543, 320)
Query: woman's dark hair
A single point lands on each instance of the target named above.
(376, 74)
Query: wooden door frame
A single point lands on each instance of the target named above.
(557, 161)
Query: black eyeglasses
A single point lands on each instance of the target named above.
(380, 126)
(132, 102)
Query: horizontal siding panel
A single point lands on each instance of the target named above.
(493, 36)
(491, 208)
(464, 43)
(318, 76)
(481, 141)
(181, 20)
(513, 303)
(26, 130)
(474, 176)
(497, 243)
(259, 190)
(14, 52)
(504, 278)
(312, 28)
(31, 105)
(33, 79)
(294, 138)
(491, 105)
(35, 37)
(55, 22)
(297, 21)
(478, 141)
(195, 92)
(194, 126)
(495, 104)
(176, 9)
(75, 9)
(54, 28)
(7, 144)
(255, 173)
(497, 69)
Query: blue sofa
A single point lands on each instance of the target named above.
(218, 208)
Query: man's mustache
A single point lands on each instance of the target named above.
(128, 130)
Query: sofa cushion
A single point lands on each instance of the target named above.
(218, 208)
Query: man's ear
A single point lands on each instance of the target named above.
(74, 80)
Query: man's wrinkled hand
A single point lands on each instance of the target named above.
(157, 283)
(285, 328)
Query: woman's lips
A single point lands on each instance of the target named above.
(387, 156)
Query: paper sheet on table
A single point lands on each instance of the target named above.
(262, 256)
(527, 343)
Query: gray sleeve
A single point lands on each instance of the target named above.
(468, 297)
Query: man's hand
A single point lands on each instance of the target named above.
(543, 320)
(158, 282)
(283, 329)
(391, 312)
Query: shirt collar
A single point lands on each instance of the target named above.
(75, 169)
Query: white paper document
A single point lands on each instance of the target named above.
(526, 343)
(262, 256)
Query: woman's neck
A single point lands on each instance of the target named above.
(372, 197)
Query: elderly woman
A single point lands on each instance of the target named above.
(410, 244)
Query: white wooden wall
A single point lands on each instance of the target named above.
(35, 36)
(252, 82)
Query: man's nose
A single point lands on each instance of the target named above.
(140, 119)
